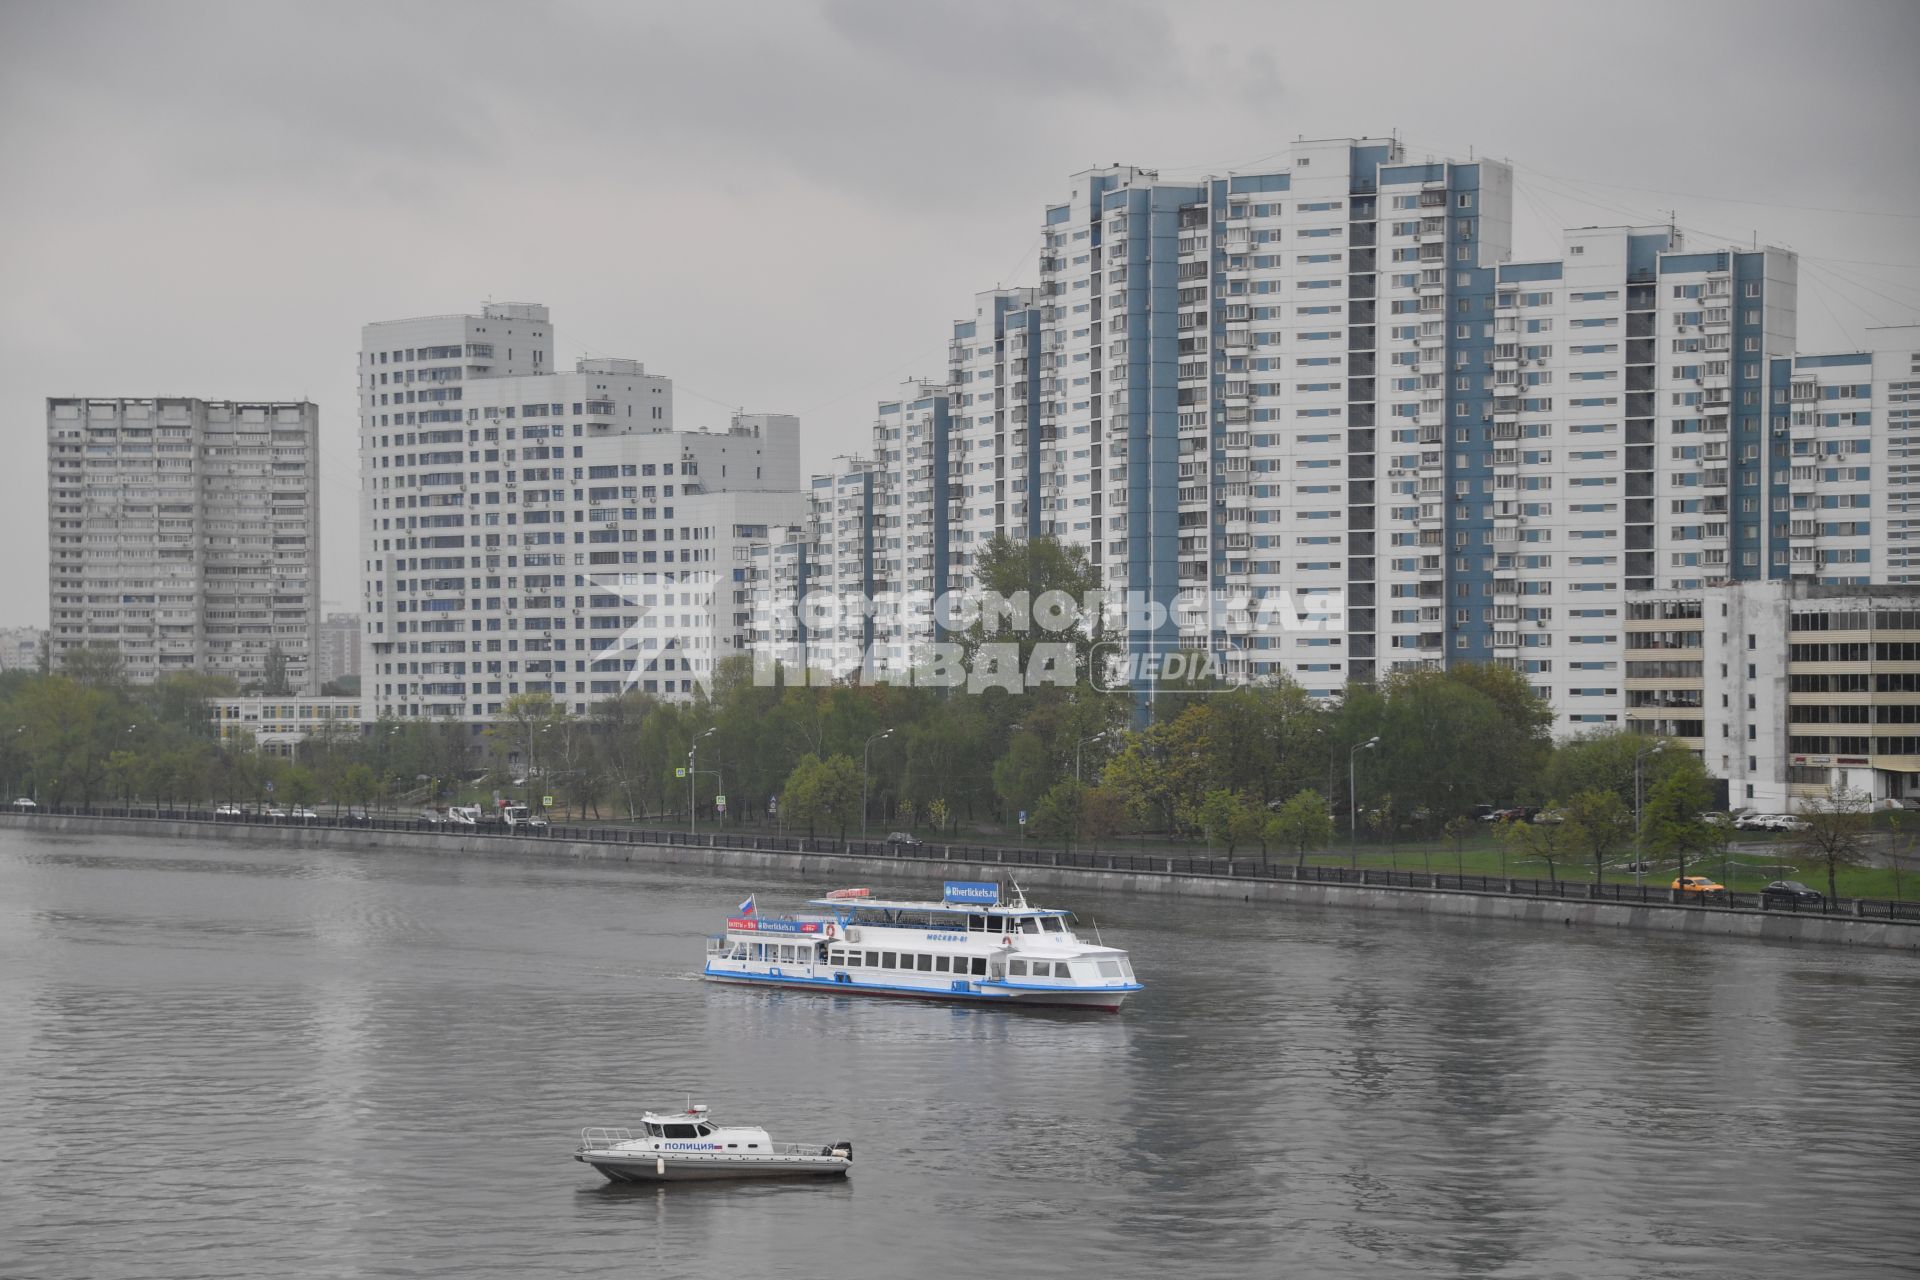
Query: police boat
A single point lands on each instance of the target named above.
(691, 1146)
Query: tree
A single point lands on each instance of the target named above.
(1599, 822)
(1382, 824)
(939, 817)
(1303, 822)
(1213, 816)
(273, 674)
(1671, 819)
(360, 785)
(822, 791)
(1058, 811)
(1900, 842)
(299, 785)
(1457, 829)
(1020, 776)
(1836, 833)
(98, 665)
(1103, 814)
(1542, 841)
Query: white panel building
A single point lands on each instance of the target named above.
(530, 531)
(186, 533)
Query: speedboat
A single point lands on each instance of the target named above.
(968, 946)
(690, 1146)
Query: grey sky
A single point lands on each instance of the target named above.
(783, 206)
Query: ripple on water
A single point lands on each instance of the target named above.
(235, 1061)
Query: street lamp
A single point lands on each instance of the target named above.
(1076, 751)
(693, 751)
(1639, 861)
(884, 733)
(1353, 799)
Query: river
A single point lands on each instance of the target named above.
(238, 1058)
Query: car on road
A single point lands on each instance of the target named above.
(228, 811)
(903, 840)
(433, 817)
(274, 812)
(1700, 886)
(23, 803)
(300, 813)
(1769, 822)
(356, 815)
(1791, 893)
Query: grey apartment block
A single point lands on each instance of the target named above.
(185, 532)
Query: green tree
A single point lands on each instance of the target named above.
(1536, 841)
(1383, 824)
(1020, 777)
(1215, 815)
(1836, 832)
(939, 817)
(360, 785)
(1058, 811)
(1457, 829)
(299, 786)
(1302, 823)
(1103, 814)
(1671, 819)
(822, 792)
(1600, 823)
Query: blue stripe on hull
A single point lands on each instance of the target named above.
(1091, 998)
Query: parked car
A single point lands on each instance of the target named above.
(356, 815)
(1769, 822)
(23, 803)
(903, 840)
(228, 811)
(300, 813)
(1700, 886)
(1718, 819)
(433, 817)
(1549, 816)
(1791, 892)
(274, 812)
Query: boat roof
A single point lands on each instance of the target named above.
(949, 908)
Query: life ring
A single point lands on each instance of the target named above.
(829, 930)
(1006, 942)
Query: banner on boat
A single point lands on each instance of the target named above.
(984, 892)
(749, 925)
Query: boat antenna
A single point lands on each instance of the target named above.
(1019, 893)
(1096, 932)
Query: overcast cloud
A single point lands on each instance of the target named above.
(783, 206)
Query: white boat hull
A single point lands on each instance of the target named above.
(647, 1166)
(1106, 1000)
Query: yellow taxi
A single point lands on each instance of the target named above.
(1701, 885)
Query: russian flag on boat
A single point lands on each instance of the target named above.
(746, 908)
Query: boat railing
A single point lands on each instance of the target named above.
(597, 1139)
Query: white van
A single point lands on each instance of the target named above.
(464, 815)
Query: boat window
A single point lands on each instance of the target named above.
(976, 924)
(733, 1146)
(940, 964)
(1029, 924)
(653, 1130)
(836, 956)
(1109, 968)
(1042, 969)
(703, 1130)
(980, 966)
(1018, 968)
(680, 1131)
(855, 959)
(996, 924)
(888, 960)
(1053, 924)
(926, 964)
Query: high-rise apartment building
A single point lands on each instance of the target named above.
(186, 534)
(531, 531)
(339, 647)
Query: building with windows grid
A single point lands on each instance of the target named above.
(185, 533)
(527, 531)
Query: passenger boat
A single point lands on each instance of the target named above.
(968, 946)
(690, 1146)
